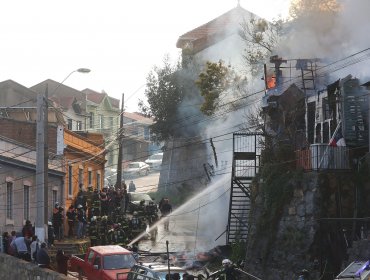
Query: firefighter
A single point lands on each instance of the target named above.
(166, 209)
(71, 218)
(96, 205)
(93, 231)
(89, 200)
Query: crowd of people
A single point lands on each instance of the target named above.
(25, 245)
(97, 215)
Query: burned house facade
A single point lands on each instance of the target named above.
(325, 121)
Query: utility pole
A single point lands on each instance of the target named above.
(42, 166)
(120, 147)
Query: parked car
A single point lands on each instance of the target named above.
(134, 199)
(153, 271)
(155, 161)
(136, 168)
(108, 262)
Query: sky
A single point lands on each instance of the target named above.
(120, 41)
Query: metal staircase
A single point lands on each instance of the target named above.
(246, 161)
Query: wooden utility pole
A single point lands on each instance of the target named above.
(120, 146)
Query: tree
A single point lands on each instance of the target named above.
(212, 82)
(308, 8)
(164, 93)
(260, 37)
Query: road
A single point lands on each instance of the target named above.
(148, 183)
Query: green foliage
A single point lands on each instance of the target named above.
(238, 251)
(216, 79)
(164, 92)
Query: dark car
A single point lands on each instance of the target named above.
(135, 199)
(153, 271)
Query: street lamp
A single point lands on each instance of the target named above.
(42, 189)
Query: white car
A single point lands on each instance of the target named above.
(155, 161)
(136, 168)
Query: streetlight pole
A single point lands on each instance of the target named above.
(42, 156)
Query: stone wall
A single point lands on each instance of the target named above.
(13, 268)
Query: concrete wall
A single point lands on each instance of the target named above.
(13, 268)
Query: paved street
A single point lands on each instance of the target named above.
(148, 183)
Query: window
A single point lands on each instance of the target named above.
(98, 181)
(91, 120)
(70, 179)
(80, 176)
(69, 125)
(325, 109)
(9, 200)
(54, 197)
(26, 202)
(101, 121)
(79, 125)
(90, 257)
(90, 177)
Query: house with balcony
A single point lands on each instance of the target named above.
(326, 121)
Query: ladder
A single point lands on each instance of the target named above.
(245, 165)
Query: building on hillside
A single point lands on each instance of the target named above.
(71, 102)
(18, 180)
(136, 139)
(216, 40)
(82, 156)
(326, 121)
(103, 114)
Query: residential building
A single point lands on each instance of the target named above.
(81, 156)
(136, 137)
(18, 177)
(216, 40)
(71, 102)
(103, 116)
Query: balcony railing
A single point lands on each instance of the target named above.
(323, 157)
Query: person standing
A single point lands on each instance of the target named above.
(11, 249)
(5, 242)
(58, 221)
(81, 218)
(27, 230)
(131, 186)
(43, 258)
(71, 218)
(62, 262)
(35, 246)
(166, 209)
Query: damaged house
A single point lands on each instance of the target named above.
(320, 221)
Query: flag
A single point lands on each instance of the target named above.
(337, 140)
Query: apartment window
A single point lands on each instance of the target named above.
(98, 181)
(91, 120)
(54, 197)
(70, 179)
(26, 202)
(90, 177)
(101, 121)
(79, 125)
(69, 125)
(9, 200)
(80, 176)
